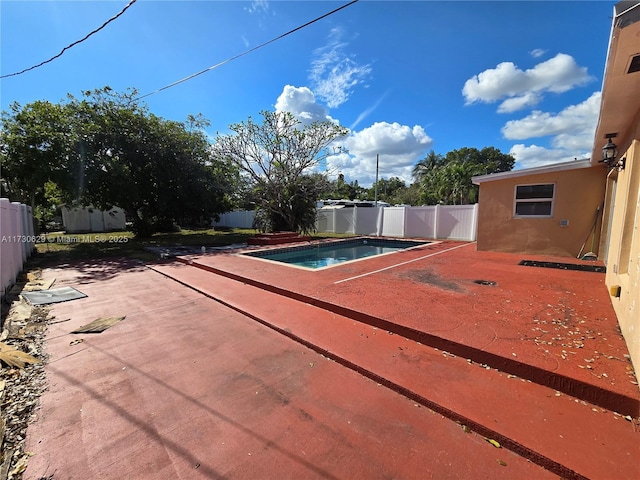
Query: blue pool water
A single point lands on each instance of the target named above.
(328, 254)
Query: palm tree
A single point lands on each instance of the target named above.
(425, 167)
(458, 177)
(427, 173)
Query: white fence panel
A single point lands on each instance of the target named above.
(96, 220)
(114, 219)
(457, 222)
(16, 231)
(324, 221)
(421, 222)
(368, 221)
(76, 220)
(8, 257)
(236, 219)
(393, 221)
(345, 220)
(16, 235)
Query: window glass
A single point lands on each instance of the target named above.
(534, 200)
(534, 191)
(534, 208)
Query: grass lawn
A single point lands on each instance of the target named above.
(61, 247)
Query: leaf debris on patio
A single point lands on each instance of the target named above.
(37, 285)
(23, 380)
(13, 357)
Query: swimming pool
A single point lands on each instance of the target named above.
(333, 253)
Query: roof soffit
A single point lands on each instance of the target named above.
(621, 90)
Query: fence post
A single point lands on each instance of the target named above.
(23, 232)
(354, 218)
(436, 220)
(6, 247)
(404, 222)
(19, 229)
(474, 232)
(30, 232)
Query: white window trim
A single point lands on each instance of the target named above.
(531, 200)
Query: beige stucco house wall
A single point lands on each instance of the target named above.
(620, 116)
(621, 245)
(581, 187)
(572, 228)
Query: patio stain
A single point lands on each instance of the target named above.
(431, 278)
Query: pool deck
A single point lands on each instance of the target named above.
(235, 367)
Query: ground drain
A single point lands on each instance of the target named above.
(485, 282)
(564, 266)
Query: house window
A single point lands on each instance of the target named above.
(534, 200)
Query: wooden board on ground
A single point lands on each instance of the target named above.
(99, 325)
(39, 284)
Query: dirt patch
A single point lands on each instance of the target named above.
(430, 278)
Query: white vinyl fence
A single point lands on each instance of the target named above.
(90, 219)
(441, 222)
(17, 240)
(236, 219)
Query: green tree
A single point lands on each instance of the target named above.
(389, 190)
(425, 167)
(106, 149)
(277, 158)
(36, 151)
(408, 196)
(427, 173)
(339, 189)
(447, 179)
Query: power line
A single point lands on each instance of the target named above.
(246, 52)
(131, 2)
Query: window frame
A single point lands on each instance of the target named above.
(517, 200)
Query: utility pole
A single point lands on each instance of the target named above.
(376, 189)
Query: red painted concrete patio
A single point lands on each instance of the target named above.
(243, 368)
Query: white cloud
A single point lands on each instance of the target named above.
(581, 142)
(535, 156)
(574, 120)
(572, 132)
(333, 73)
(537, 52)
(518, 103)
(524, 87)
(261, 6)
(301, 102)
(398, 147)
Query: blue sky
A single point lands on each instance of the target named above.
(404, 76)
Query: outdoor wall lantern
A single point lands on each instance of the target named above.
(609, 153)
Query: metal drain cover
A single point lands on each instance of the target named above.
(564, 266)
(485, 282)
